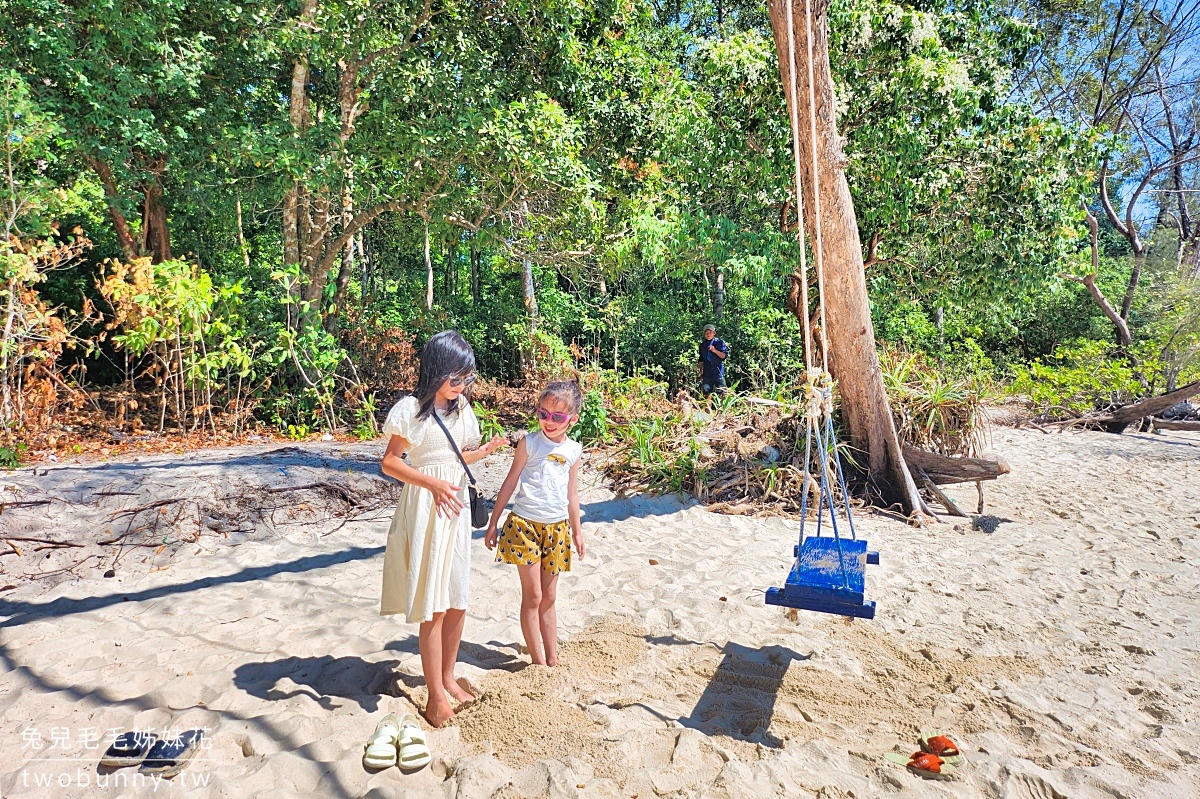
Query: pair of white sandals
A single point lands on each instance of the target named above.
(397, 741)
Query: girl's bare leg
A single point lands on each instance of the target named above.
(452, 630)
(437, 709)
(548, 617)
(531, 601)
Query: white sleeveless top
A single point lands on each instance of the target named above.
(542, 496)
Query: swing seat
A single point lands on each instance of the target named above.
(816, 581)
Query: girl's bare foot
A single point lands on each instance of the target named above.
(457, 694)
(438, 713)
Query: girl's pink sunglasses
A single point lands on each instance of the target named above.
(558, 417)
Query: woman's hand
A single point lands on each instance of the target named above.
(445, 498)
(491, 538)
(494, 444)
(577, 538)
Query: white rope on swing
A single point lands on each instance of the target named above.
(795, 125)
(818, 384)
(819, 249)
(818, 238)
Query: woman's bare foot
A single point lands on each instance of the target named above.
(438, 713)
(457, 694)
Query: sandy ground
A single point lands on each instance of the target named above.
(1055, 637)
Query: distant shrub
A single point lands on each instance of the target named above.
(1080, 378)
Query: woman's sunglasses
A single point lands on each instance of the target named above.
(558, 417)
(455, 382)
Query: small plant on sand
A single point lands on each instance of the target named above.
(364, 419)
(297, 432)
(10, 457)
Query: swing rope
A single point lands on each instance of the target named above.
(818, 385)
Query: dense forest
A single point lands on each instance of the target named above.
(223, 216)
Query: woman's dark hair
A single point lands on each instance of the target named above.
(444, 356)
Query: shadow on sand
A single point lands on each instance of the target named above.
(25, 612)
(739, 700)
(326, 679)
(322, 679)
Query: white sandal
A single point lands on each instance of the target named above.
(381, 746)
(411, 745)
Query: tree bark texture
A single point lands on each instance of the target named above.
(155, 235)
(155, 239)
(943, 469)
(1124, 339)
(428, 271)
(129, 248)
(298, 116)
(853, 360)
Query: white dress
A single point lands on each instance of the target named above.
(427, 565)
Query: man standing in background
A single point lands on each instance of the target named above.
(713, 352)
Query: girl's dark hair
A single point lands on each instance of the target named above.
(445, 355)
(565, 391)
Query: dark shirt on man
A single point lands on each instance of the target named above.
(713, 371)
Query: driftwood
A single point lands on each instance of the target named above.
(1118, 420)
(928, 483)
(1172, 424)
(943, 469)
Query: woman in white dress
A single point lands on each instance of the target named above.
(427, 566)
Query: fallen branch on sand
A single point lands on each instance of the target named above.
(148, 506)
(49, 541)
(27, 503)
(1117, 420)
(1121, 418)
(1172, 424)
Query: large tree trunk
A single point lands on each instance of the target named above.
(294, 239)
(853, 360)
(156, 238)
(125, 240)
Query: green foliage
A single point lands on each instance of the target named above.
(10, 456)
(933, 409)
(489, 424)
(592, 426)
(296, 432)
(365, 427)
(967, 200)
(1080, 378)
(638, 156)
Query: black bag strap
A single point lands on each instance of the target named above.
(454, 445)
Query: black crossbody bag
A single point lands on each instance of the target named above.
(480, 513)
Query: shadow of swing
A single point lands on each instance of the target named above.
(739, 700)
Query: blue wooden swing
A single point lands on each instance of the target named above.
(828, 573)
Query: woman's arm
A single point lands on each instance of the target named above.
(573, 508)
(520, 457)
(445, 494)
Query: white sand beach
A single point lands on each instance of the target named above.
(1056, 638)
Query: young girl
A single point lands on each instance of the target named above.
(546, 511)
(427, 566)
